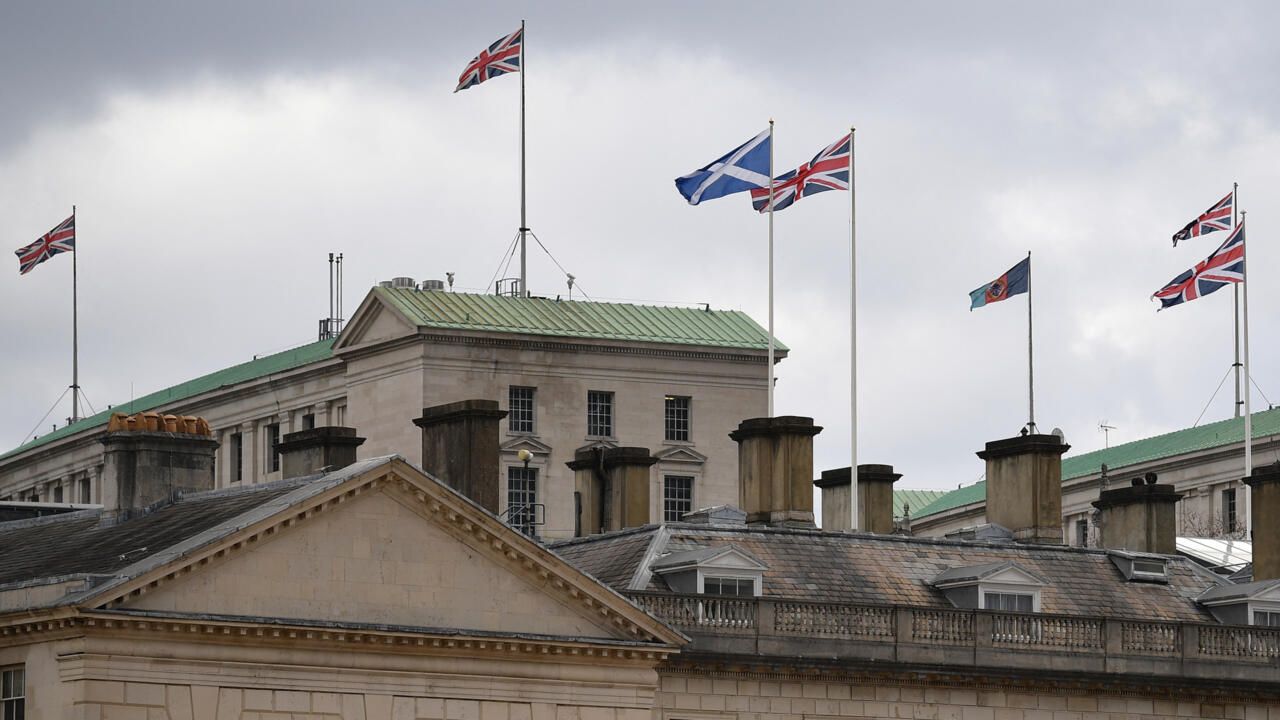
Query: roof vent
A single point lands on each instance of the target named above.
(384, 283)
(403, 282)
(433, 285)
(718, 515)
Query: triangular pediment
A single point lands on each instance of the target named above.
(597, 445)
(1013, 575)
(374, 321)
(525, 442)
(1007, 572)
(680, 454)
(390, 546)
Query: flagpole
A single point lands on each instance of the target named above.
(75, 332)
(1031, 384)
(770, 268)
(1236, 303)
(853, 344)
(524, 229)
(1248, 416)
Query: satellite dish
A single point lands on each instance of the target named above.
(1062, 438)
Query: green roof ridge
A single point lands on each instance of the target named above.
(579, 319)
(1157, 447)
(244, 372)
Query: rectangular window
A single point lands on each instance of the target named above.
(273, 453)
(1270, 618)
(237, 457)
(1082, 533)
(733, 587)
(522, 493)
(13, 692)
(57, 493)
(309, 421)
(677, 497)
(1229, 510)
(520, 406)
(1007, 602)
(677, 418)
(599, 413)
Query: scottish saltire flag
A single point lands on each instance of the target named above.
(743, 168)
(828, 170)
(1014, 282)
(500, 58)
(1224, 266)
(58, 240)
(1217, 217)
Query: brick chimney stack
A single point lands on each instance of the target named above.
(150, 457)
(875, 498)
(775, 470)
(1264, 504)
(1139, 518)
(321, 449)
(1024, 486)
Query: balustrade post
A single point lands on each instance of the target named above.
(1190, 642)
(983, 629)
(1112, 637)
(766, 617)
(903, 621)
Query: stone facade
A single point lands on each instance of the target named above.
(384, 371)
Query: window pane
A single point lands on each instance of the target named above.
(599, 413)
(677, 418)
(520, 407)
(522, 493)
(677, 497)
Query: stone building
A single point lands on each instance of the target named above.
(1204, 464)
(380, 592)
(571, 374)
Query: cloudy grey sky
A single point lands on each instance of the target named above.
(218, 152)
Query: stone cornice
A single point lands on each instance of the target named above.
(270, 631)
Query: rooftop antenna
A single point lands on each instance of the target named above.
(571, 279)
(1106, 429)
(331, 325)
(449, 275)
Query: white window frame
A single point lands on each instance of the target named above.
(1263, 607)
(1008, 589)
(7, 699)
(533, 410)
(719, 574)
(693, 492)
(613, 415)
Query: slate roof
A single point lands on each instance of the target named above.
(1242, 591)
(579, 319)
(82, 543)
(812, 565)
(234, 375)
(1159, 447)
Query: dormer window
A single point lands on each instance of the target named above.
(725, 571)
(1255, 603)
(1141, 567)
(1003, 587)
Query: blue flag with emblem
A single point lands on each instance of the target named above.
(741, 169)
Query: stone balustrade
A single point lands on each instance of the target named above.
(845, 632)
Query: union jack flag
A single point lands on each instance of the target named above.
(1224, 266)
(1217, 217)
(828, 170)
(500, 58)
(58, 240)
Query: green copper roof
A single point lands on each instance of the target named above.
(252, 370)
(1178, 442)
(917, 499)
(578, 319)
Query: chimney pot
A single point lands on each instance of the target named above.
(142, 467)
